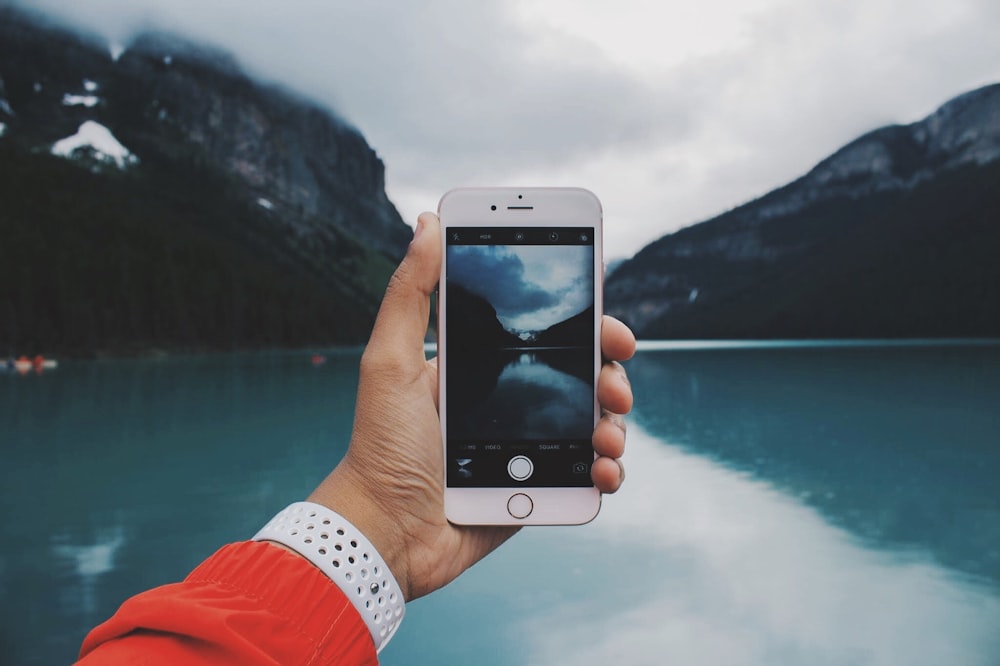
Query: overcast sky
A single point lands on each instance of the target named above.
(671, 112)
(531, 287)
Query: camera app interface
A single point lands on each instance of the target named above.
(520, 371)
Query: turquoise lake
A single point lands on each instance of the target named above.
(818, 504)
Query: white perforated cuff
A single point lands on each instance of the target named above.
(342, 552)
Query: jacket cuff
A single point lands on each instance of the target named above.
(291, 588)
(249, 603)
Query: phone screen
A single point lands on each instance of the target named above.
(521, 358)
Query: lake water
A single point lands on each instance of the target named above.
(784, 505)
(530, 395)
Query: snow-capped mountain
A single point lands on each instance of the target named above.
(154, 196)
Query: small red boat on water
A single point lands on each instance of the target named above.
(24, 365)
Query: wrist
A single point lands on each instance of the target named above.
(340, 493)
(349, 559)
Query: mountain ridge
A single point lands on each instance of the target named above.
(788, 264)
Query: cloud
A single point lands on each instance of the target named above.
(670, 113)
(462, 85)
(531, 287)
(497, 274)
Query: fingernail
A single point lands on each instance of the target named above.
(418, 230)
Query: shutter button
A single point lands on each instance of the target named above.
(520, 468)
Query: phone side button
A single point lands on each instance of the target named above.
(520, 506)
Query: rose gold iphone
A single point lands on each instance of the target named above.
(519, 324)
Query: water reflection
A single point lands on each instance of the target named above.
(114, 458)
(555, 403)
(719, 568)
(519, 394)
(896, 444)
(87, 563)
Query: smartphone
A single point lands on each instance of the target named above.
(519, 321)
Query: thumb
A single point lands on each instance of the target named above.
(398, 334)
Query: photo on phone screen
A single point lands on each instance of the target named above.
(521, 359)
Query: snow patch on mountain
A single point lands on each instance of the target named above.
(89, 101)
(100, 141)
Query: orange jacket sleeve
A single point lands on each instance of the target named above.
(250, 603)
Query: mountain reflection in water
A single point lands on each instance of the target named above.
(521, 394)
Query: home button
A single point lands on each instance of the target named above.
(520, 506)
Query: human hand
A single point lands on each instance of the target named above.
(390, 484)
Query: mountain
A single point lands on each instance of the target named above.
(475, 329)
(473, 325)
(156, 197)
(896, 234)
(575, 331)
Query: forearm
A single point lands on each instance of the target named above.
(250, 603)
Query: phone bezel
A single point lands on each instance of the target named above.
(513, 207)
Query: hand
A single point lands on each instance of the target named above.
(390, 484)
